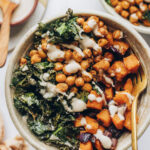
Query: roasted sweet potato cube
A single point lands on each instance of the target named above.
(86, 146)
(95, 105)
(121, 97)
(109, 93)
(98, 145)
(121, 46)
(128, 86)
(101, 128)
(119, 70)
(91, 125)
(118, 122)
(103, 64)
(104, 117)
(131, 63)
(77, 122)
(127, 122)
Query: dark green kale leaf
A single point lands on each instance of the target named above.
(108, 2)
(83, 95)
(146, 15)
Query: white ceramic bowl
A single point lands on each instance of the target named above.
(138, 45)
(111, 10)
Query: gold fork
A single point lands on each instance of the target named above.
(7, 6)
(140, 84)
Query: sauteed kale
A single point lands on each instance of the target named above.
(73, 87)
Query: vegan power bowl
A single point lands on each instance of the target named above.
(74, 85)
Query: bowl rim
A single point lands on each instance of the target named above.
(27, 16)
(141, 28)
(12, 62)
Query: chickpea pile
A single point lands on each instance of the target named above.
(133, 10)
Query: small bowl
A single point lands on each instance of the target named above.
(23, 12)
(111, 10)
(137, 43)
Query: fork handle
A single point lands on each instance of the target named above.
(4, 35)
(134, 124)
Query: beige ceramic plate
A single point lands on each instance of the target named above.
(140, 28)
(138, 45)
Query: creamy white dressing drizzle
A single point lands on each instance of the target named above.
(91, 23)
(77, 49)
(105, 140)
(86, 73)
(87, 42)
(92, 97)
(54, 53)
(72, 67)
(108, 80)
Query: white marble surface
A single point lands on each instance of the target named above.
(54, 7)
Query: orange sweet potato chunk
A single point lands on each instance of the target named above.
(92, 125)
(98, 145)
(77, 122)
(122, 98)
(103, 64)
(86, 146)
(128, 86)
(95, 105)
(131, 63)
(104, 117)
(118, 122)
(127, 123)
(109, 93)
(121, 46)
(118, 69)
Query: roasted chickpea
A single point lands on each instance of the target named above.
(117, 34)
(79, 82)
(44, 44)
(143, 7)
(74, 90)
(125, 4)
(97, 58)
(110, 38)
(86, 27)
(80, 21)
(139, 14)
(94, 18)
(63, 87)
(96, 53)
(65, 72)
(102, 42)
(77, 57)
(35, 59)
(87, 52)
(103, 31)
(114, 2)
(23, 61)
(133, 9)
(33, 52)
(133, 18)
(87, 78)
(42, 54)
(138, 1)
(118, 8)
(58, 66)
(101, 23)
(85, 64)
(125, 14)
(68, 55)
(109, 56)
(70, 80)
(87, 87)
(60, 78)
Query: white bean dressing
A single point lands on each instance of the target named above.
(54, 53)
(105, 140)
